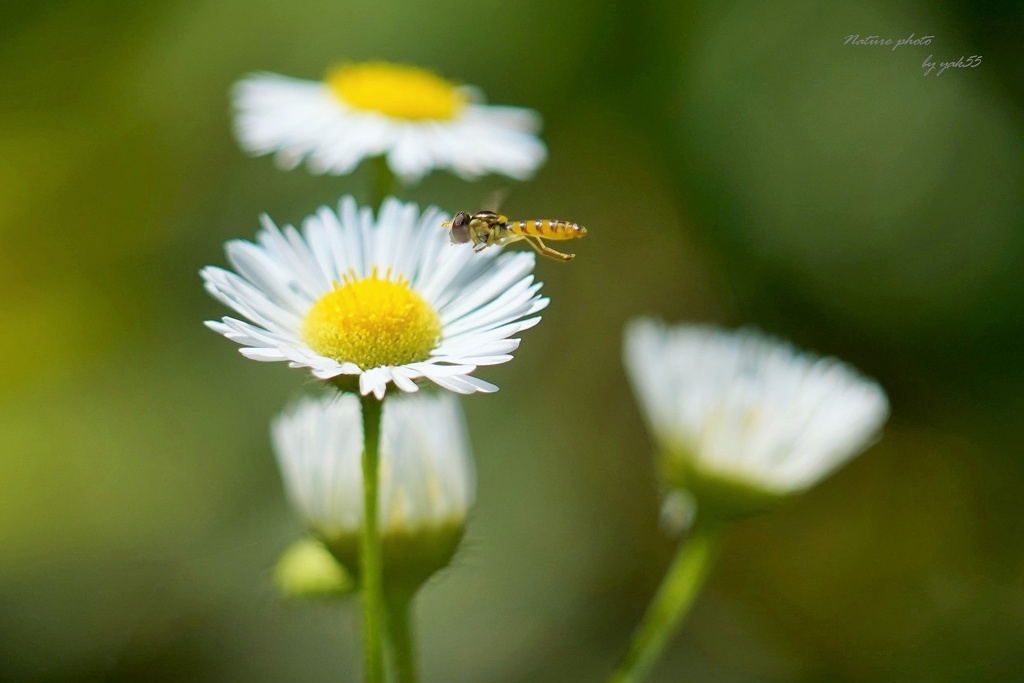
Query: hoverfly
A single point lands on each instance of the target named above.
(485, 228)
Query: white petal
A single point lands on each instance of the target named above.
(426, 471)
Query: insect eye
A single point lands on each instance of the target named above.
(459, 219)
(459, 233)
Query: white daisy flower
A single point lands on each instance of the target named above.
(382, 300)
(417, 119)
(743, 410)
(427, 482)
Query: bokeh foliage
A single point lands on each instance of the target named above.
(734, 162)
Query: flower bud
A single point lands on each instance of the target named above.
(426, 480)
(308, 570)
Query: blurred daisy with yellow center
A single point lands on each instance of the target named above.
(415, 118)
(382, 299)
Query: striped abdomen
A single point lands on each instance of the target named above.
(548, 229)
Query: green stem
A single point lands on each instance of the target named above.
(675, 596)
(371, 563)
(382, 182)
(403, 643)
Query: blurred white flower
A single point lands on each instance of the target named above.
(740, 410)
(414, 117)
(382, 300)
(427, 481)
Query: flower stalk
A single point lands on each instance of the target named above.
(382, 180)
(402, 637)
(673, 601)
(372, 569)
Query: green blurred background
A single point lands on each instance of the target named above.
(734, 162)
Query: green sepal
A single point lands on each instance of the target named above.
(718, 497)
(410, 557)
(346, 384)
(349, 384)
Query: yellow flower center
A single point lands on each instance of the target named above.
(372, 322)
(402, 92)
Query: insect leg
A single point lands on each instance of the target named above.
(544, 250)
(477, 242)
(481, 238)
